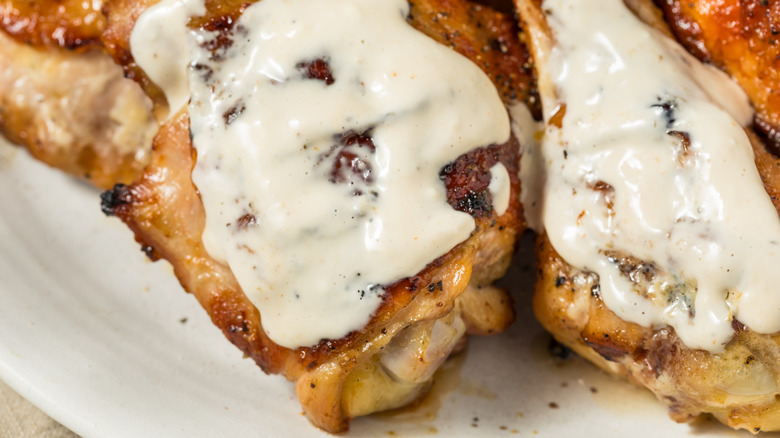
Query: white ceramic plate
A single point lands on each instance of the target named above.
(108, 344)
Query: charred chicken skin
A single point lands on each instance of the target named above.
(736, 381)
(422, 318)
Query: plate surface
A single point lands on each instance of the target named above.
(108, 344)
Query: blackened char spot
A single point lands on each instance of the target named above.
(239, 325)
(246, 221)
(438, 285)
(347, 159)
(317, 69)
(467, 180)
(499, 44)
(205, 71)
(232, 114)
(475, 203)
(224, 31)
(218, 46)
(112, 199)
(637, 270)
(667, 110)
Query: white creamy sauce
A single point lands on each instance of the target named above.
(159, 44)
(532, 168)
(621, 182)
(319, 191)
(499, 188)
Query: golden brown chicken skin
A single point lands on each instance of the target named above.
(64, 99)
(390, 362)
(741, 37)
(739, 386)
(69, 24)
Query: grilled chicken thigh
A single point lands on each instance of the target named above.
(421, 318)
(735, 377)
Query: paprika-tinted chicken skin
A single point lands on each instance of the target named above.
(735, 378)
(423, 317)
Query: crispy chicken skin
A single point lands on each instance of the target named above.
(740, 386)
(422, 318)
(741, 37)
(64, 99)
(70, 24)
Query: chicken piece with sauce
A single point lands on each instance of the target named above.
(333, 182)
(658, 240)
